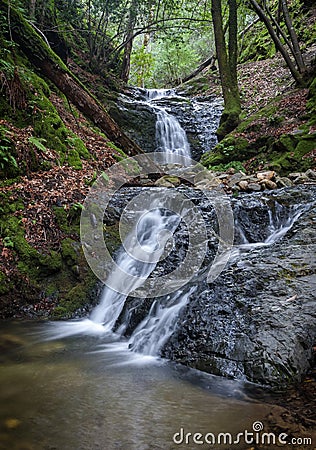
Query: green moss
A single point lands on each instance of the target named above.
(61, 218)
(257, 44)
(305, 145)
(286, 143)
(50, 263)
(229, 149)
(75, 299)
(69, 252)
(8, 164)
(119, 155)
(49, 126)
(74, 160)
(77, 144)
(237, 165)
(60, 312)
(31, 262)
(112, 237)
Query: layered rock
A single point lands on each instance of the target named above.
(256, 321)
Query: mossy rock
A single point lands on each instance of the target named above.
(306, 145)
(77, 144)
(31, 262)
(70, 251)
(286, 143)
(229, 149)
(75, 299)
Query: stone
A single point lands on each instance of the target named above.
(243, 184)
(311, 174)
(204, 175)
(234, 179)
(294, 175)
(231, 171)
(283, 182)
(255, 187)
(269, 184)
(162, 182)
(222, 176)
(257, 320)
(266, 175)
(301, 179)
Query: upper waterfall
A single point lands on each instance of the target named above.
(171, 139)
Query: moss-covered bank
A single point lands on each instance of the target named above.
(35, 283)
(281, 137)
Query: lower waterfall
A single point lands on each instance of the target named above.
(149, 238)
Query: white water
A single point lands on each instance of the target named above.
(139, 256)
(137, 259)
(170, 136)
(277, 228)
(154, 331)
(143, 248)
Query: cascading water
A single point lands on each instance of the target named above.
(150, 236)
(154, 331)
(171, 138)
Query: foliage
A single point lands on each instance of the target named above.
(38, 142)
(8, 164)
(173, 60)
(142, 64)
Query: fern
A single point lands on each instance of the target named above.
(38, 142)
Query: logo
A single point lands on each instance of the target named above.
(147, 225)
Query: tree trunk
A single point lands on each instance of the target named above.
(296, 47)
(296, 75)
(128, 47)
(227, 66)
(126, 64)
(209, 62)
(53, 68)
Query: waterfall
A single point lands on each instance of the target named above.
(171, 138)
(144, 246)
(138, 258)
(155, 330)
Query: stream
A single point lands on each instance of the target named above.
(112, 380)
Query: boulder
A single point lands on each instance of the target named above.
(269, 175)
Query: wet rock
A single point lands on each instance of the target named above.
(199, 118)
(311, 174)
(283, 182)
(256, 321)
(254, 187)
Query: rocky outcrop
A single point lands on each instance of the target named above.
(199, 117)
(256, 321)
